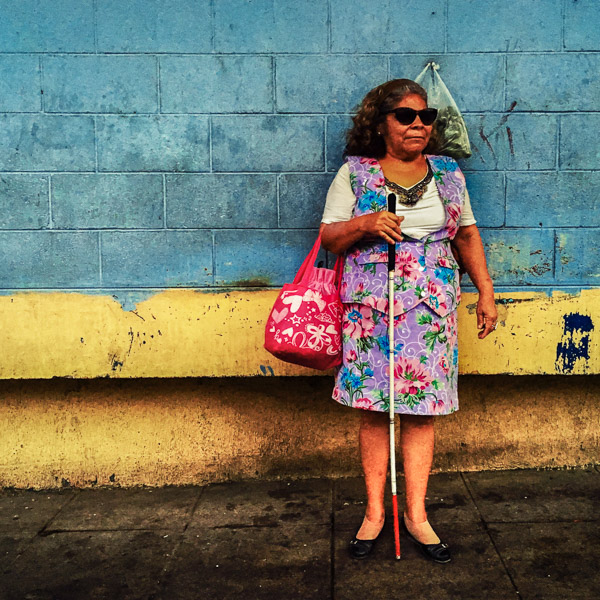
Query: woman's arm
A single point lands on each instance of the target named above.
(469, 247)
(338, 237)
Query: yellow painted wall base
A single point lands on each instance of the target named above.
(194, 431)
(184, 333)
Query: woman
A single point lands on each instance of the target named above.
(385, 153)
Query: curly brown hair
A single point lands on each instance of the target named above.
(362, 138)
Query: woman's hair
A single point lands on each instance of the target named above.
(362, 138)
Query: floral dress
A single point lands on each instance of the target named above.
(425, 324)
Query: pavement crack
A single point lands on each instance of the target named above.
(489, 533)
(332, 547)
(47, 532)
(68, 501)
(168, 566)
(193, 511)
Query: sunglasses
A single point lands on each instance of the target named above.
(406, 116)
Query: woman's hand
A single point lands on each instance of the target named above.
(487, 315)
(468, 247)
(383, 224)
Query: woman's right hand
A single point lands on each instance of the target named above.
(383, 224)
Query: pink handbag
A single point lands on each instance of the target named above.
(305, 324)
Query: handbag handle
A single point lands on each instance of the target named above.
(309, 261)
(309, 264)
(339, 269)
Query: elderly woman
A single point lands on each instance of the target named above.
(432, 224)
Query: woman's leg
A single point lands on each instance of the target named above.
(374, 440)
(417, 452)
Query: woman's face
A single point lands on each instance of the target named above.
(405, 141)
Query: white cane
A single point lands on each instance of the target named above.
(391, 280)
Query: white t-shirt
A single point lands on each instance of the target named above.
(420, 220)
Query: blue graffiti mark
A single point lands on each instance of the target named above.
(575, 341)
(266, 370)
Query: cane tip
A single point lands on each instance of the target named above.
(397, 557)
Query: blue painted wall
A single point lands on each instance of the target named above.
(151, 144)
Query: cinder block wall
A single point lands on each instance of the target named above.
(147, 145)
(154, 144)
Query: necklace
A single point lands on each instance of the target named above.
(410, 196)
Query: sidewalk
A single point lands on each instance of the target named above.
(514, 534)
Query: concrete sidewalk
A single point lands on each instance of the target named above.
(514, 534)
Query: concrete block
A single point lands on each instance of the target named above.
(302, 199)
(48, 259)
(109, 84)
(216, 84)
(476, 81)
(24, 201)
(157, 258)
(47, 26)
(154, 26)
(96, 553)
(102, 200)
(153, 143)
(270, 26)
(553, 82)
(581, 25)
(20, 84)
(291, 545)
(228, 201)
(534, 496)
(486, 191)
(269, 143)
(253, 499)
(552, 200)
(322, 83)
(387, 26)
(519, 256)
(504, 26)
(337, 126)
(511, 141)
(46, 143)
(260, 258)
(579, 143)
(132, 508)
(577, 256)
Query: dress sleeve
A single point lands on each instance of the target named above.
(467, 217)
(340, 201)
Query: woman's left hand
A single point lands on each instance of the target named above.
(487, 315)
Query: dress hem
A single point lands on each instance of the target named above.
(437, 414)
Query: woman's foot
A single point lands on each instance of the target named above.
(422, 532)
(431, 549)
(369, 530)
(360, 547)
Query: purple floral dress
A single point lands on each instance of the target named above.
(426, 295)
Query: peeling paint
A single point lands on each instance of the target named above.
(574, 344)
(256, 282)
(180, 333)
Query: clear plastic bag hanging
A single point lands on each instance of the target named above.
(449, 136)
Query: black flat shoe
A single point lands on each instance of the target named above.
(439, 553)
(362, 548)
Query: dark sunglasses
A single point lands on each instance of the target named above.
(406, 116)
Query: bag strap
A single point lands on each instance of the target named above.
(309, 265)
(309, 262)
(339, 269)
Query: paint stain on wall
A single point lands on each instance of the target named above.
(575, 341)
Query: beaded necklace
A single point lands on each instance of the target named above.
(410, 196)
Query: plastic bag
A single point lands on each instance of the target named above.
(449, 136)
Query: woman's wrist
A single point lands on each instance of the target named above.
(486, 289)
